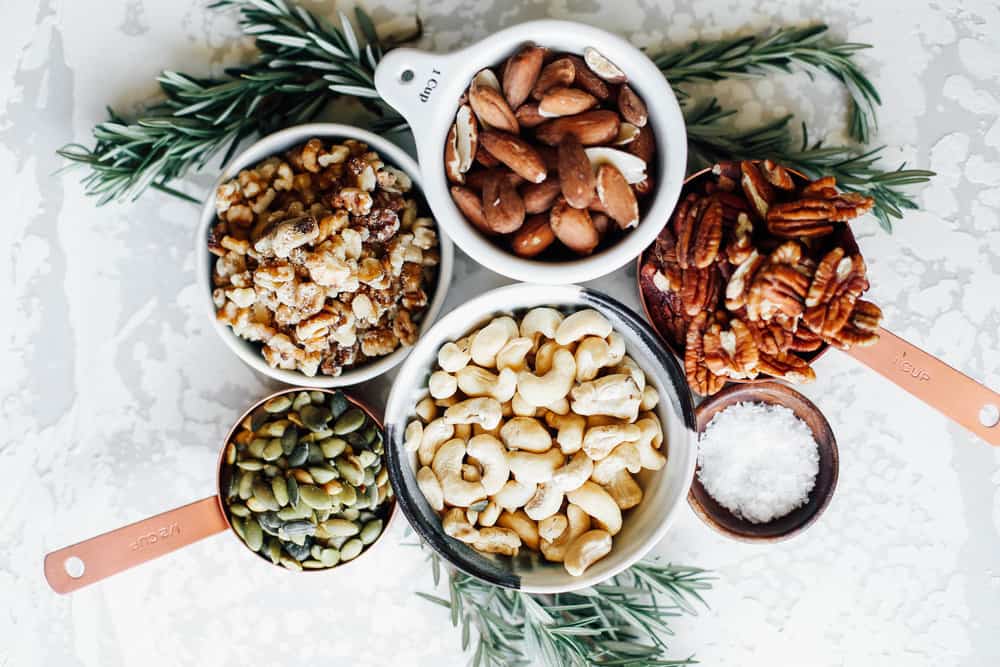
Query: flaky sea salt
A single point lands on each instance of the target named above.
(759, 461)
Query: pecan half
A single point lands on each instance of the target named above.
(738, 286)
(804, 340)
(698, 228)
(731, 352)
(779, 285)
(770, 337)
(699, 289)
(759, 192)
(739, 245)
(836, 286)
(861, 329)
(701, 380)
(788, 367)
(802, 218)
(777, 175)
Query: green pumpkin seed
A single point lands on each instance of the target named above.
(259, 418)
(278, 404)
(274, 429)
(253, 535)
(350, 514)
(315, 497)
(369, 478)
(339, 404)
(314, 417)
(378, 445)
(299, 455)
(312, 564)
(245, 489)
(315, 455)
(322, 434)
(292, 486)
(337, 542)
(371, 492)
(250, 464)
(238, 527)
(301, 399)
(258, 505)
(279, 487)
(349, 422)
(351, 549)
(289, 439)
(289, 513)
(348, 495)
(293, 530)
(371, 531)
(239, 509)
(262, 491)
(232, 486)
(341, 528)
(274, 551)
(357, 440)
(366, 516)
(368, 459)
(318, 396)
(332, 447)
(350, 471)
(291, 563)
(382, 476)
(273, 450)
(270, 523)
(256, 447)
(323, 475)
(315, 551)
(230, 453)
(329, 557)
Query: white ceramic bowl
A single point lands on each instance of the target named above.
(277, 143)
(664, 491)
(425, 89)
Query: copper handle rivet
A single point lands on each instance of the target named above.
(989, 415)
(74, 567)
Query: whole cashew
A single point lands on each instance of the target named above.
(513, 354)
(570, 430)
(582, 323)
(442, 385)
(412, 435)
(543, 356)
(623, 457)
(627, 366)
(553, 385)
(613, 395)
(531, 468)
(488, 341)
(426, 409)
(428, 483)
(576, 471)
(503, 541)
(599, 504)
(650, 437)
(616, 348)
(521, 407)
(598, 441)
(493, 458)
(452, 357)
(578, 523)
(591, 356)
(483, 411)
(586, 550)
(525, 433)
(514, 494)
(624, 489)
(456, 524)
(476, 381)
(560, 407)
(550, 528)
(546, 502)
(541, 321)
(489, 516)
(447, 466)
(435, 434)
(650, 398)
(525, 528)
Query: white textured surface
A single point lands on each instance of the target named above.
(114, 391)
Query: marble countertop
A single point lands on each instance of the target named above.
(115, 392)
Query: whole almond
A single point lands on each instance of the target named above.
(631, 106)
(471, 206)
(589, 127)
(492, 109)
(516, 153)
(539, 197)
(560, 72)
(601, 65)
(528, 116)
(502, 206)
(589, 81)
(617, 197)
(521, 74)
(574, 228)
(561, 101)
(576, 177)
(476, 179)
(534, 237)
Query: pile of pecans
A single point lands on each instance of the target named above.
(755, 272)
(322, 257)
(557, 151)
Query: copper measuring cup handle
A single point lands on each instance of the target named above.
(954, 394)
(134, 544)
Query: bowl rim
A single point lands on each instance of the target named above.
(579, 297)
(273, 144)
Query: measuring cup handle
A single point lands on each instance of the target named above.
(118, 550)
(955, 395)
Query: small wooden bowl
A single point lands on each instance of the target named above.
(773, 393)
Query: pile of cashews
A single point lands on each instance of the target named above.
(545, 421)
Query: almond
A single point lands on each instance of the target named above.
(574, 228)
(528, 116)
(631, 107)
(601, 223)
(451, 160)
(539, 197)
(502, 206)
(516, 153)
(631, 166)
(559, 72)
(521, 74)
(602, 67)
(617, 197)
(471, 206)
(560, 101)
(576, 177)
(627, 133)
(484, 158)
(589, 127)
(460, 147)
(490, 106)
(643, 146)
(476, 179)
(534, 237)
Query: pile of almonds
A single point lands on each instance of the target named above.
(556, 152)
(755, 272)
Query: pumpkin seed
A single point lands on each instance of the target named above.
(301, 399)
(239, 509)
(351, 549)
(290, 530)
(245, 489)
(338, 404)
(256, 447)
(370, 432)
(291, 563)
(315, 497)
(262, 491)
(230, 453)
(371, 531)
(322, 434)
(315, 455)
(259, 418)
(289, 439)
(329, 557)
(318, 396)
(299, 454)
(279, 487)
(341, 527)
(382, 476)
(349, 470)
(315, 551)
(366, 516)
(274, 551)
(350, 514)
(349, 422)
(274, 429)
(312, 564)
(253, 535)
(296, 550)
(271, 470)
(332, 447)
(232, 486)
(348, 495)
(301, 476)
(357, 440)
(250, 464)
(337, 542)
(273, 450)
(292, 487)
(258, 505)
(270, 523)
(368, 459)
(372, 493)
(278, 404)
(238, 527)
(289, 513)
(323, 475)
(315, 417)
(369, 477)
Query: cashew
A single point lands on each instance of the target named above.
(447, 466)
(442, 385)
(553, 385)
(453, 357)
(582, 323)
(576, 471)
(627, 366)
(570, 430)
(507, 408)
(521, 407)
(479, 430)
(470, 473)
(543, 321)
(435, 433)
(428, 483)
(560, 407)
(482, 411)
(463, 431)
(456, 524)
(486, 342)
(503, 541)
(599, 504)
(650, 437)
(586, 550)
(493, 458)
(591, 355)
(525, 528)
(623, 457)
(531, 468)
(543, 356)
(650, 398)
(614, 395)
(616, 348)
(446, 402)
(598, 441)
(514, 494)
(525, 433)
(623, 488)
(476, 381)
(550, 528)
(546, 502)
(513, 354)
(426, 409)
(578, 523)
(412, 435)
(489, 515)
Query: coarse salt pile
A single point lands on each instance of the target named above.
(759, 461)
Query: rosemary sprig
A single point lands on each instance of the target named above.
(710, 140)
(620, 622)
(780, 50)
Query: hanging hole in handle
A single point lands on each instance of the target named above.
(989, 415)
(406, 76)
(74, 567)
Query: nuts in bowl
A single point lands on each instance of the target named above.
(323, 266)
